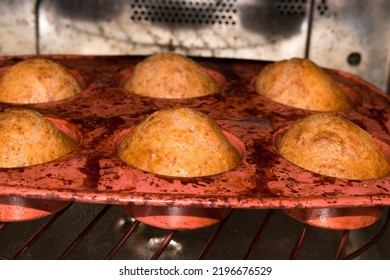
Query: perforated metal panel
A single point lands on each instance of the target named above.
(195, 13)
(229, 28)
(291, 7)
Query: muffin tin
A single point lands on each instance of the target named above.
(99, 116)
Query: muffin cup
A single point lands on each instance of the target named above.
(177, 218)
(16, 209)
(348, 218)
(337, 218)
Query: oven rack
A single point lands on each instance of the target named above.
(88, 231)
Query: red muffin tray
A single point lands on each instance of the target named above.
(99, 116)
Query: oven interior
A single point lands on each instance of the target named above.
(348, 35)
(92, 231)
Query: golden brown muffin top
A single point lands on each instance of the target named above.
(302, 84)
(332, 145)
(179, 142)
(37, 80)
(169, 75)
(28, 138)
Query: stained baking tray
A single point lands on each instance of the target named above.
(100, 115)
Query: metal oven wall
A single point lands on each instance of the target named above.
(348, 35)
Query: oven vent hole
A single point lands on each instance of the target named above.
(291, 7)
(323, 8)
(178, 13)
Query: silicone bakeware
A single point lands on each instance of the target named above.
(99, 116)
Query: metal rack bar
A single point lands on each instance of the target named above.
(372, 241)
(256, 239)
(343, 242)
(298, 244)
(84, 232)
(122, 240)
(163, 245)
(2, 225)
(212, 238)
(38, 233)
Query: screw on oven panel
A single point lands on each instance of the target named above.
(354, 59)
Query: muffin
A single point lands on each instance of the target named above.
(302, 84)
(179, 142)
(334, 146)
(28, 138)
(170, 75)
(37, 80)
